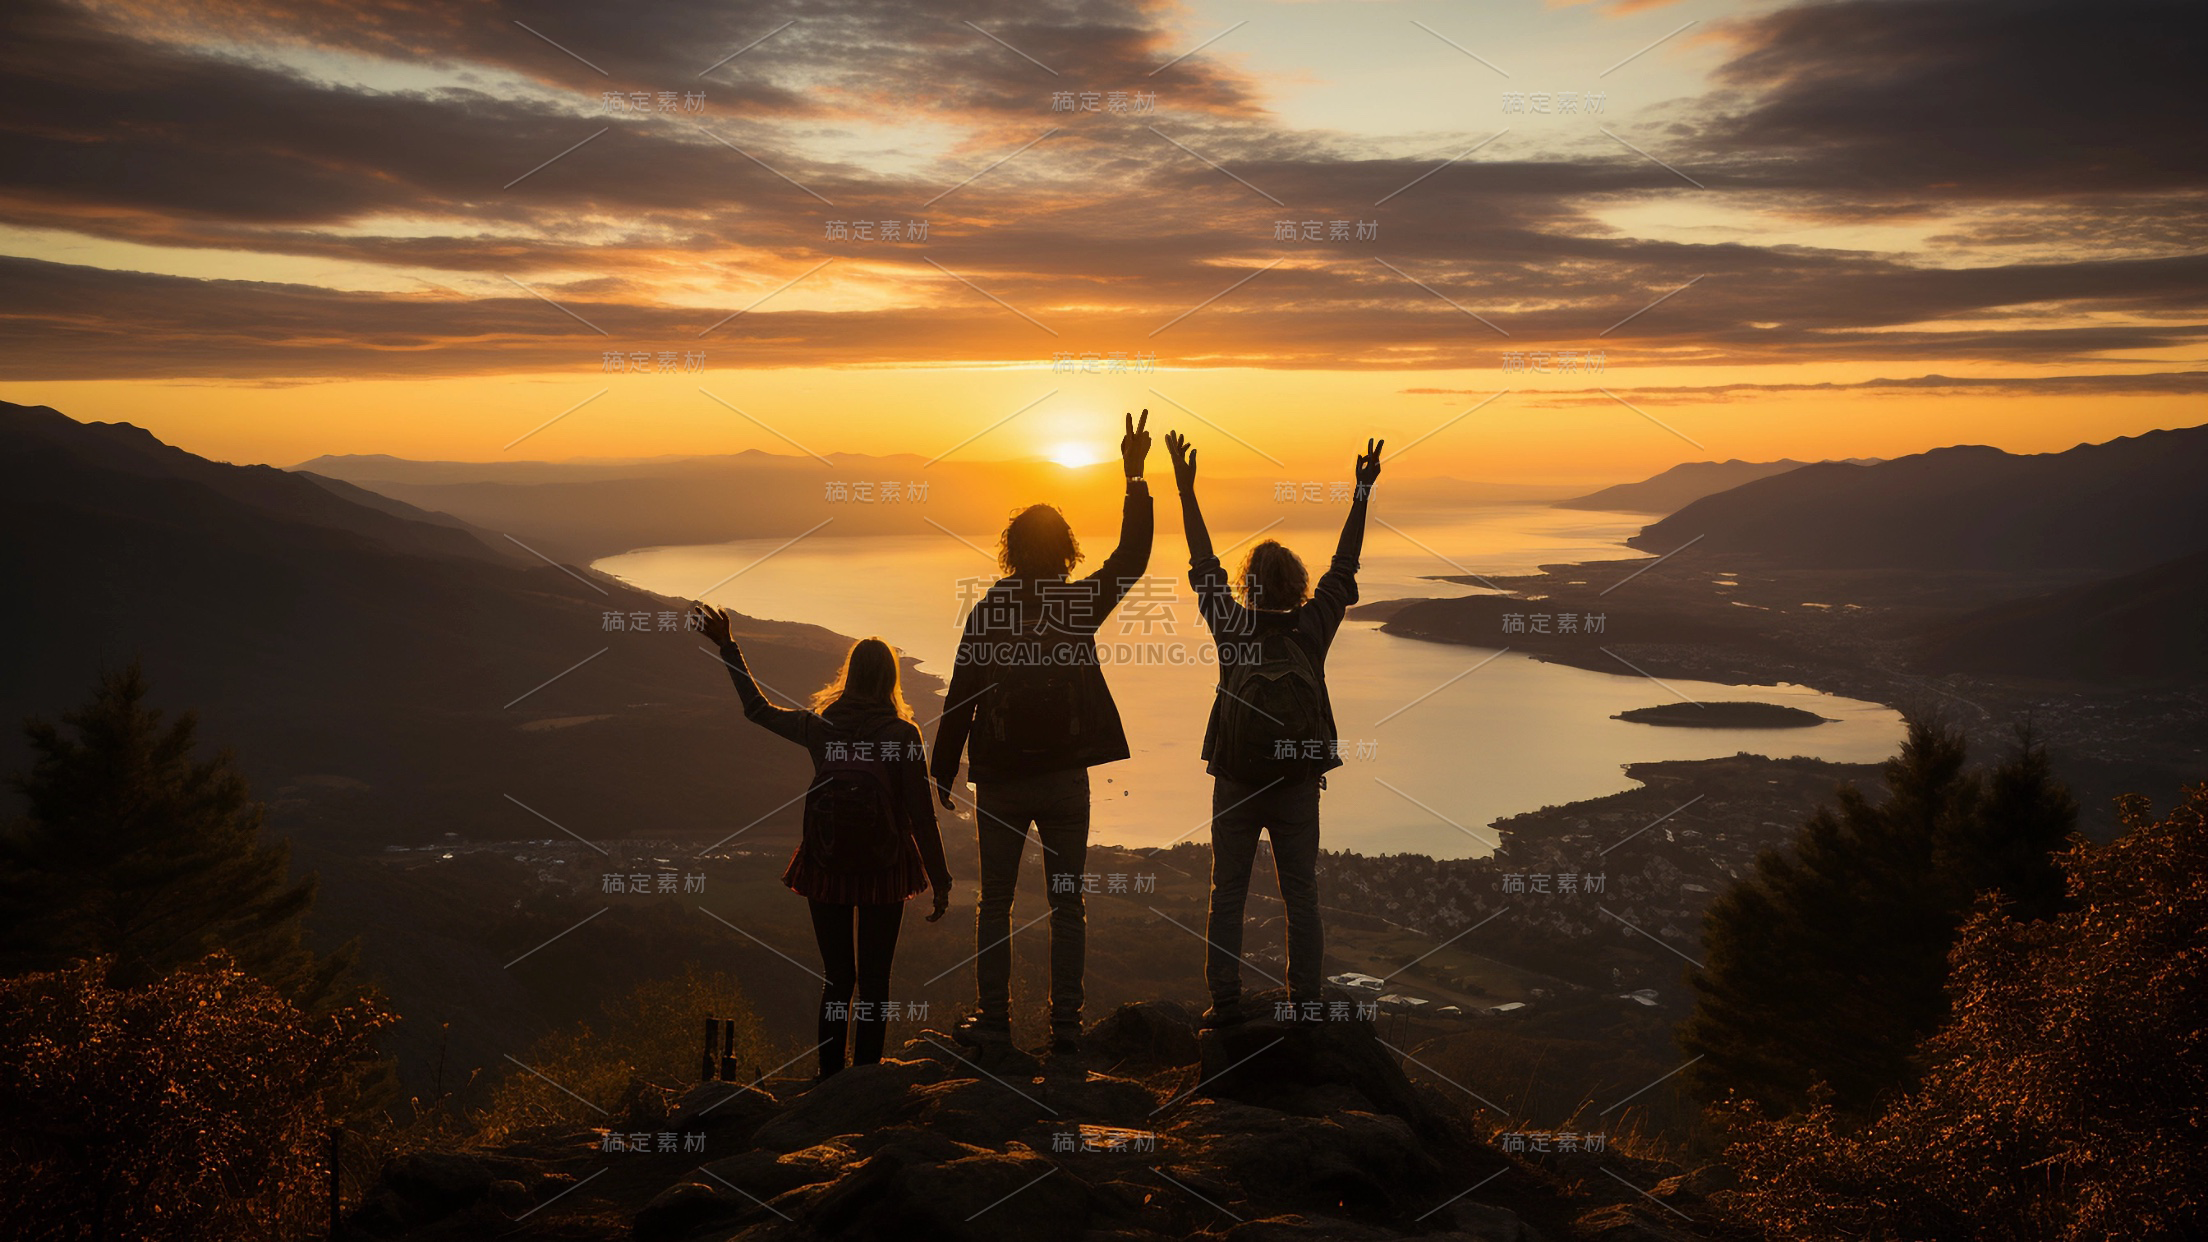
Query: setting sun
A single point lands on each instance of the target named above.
(1076, 454)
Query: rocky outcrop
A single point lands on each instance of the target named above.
(1314, 1068)
(1262, 1133)
(1152, 1035)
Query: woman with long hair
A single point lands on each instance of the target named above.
(870, 839)
(1271, 739)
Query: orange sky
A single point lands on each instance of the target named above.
(1661, 232)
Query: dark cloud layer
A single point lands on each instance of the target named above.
(146, 124)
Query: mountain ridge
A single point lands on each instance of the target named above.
(2118, 505)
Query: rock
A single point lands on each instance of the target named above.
(860, 1099)
(1624, 1222)
(1101, 1098)
(1306, 1229)
(728, 1111)
(762, 1175)
(684, 1208)
(433, 1183)
(1482, 1222)
(1005, 1060)
(1013, 1197)
(510, 1196)
(979, 1110)
(914, 1145)
(1146, 1035)
(729, 1190)
(1289, 1066)
(642, 1107)
(1363, 1163)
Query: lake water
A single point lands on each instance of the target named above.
(1439, 740)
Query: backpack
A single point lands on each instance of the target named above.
(1270, 709)
(1032, 712)
(851, 817)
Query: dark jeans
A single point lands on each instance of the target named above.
(1057, 804)
(851, 960)
(1289, 811)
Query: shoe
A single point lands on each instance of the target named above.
(978, 1031)
(1065, 1043)
(1224, 1014)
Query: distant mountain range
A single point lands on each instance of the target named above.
(329, 633)
(583, 510)
(1679, 486)
(2119, 506)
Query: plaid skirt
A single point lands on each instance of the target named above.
(857, 888)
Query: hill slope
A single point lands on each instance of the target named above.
(1679, 486)
(2151, 625)
(322, 636)
(2122, 505)
(386, 680)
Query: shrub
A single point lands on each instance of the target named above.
(193, 1106)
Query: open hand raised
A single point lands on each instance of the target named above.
(712, 622)
(1184, 460)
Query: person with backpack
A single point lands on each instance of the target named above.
(870, 839)
(1271, 737)
(1028, 701)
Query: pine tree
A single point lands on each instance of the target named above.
(134, 848)
(1827, 967)
(2064, 1099)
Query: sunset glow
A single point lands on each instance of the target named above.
(1658, 232)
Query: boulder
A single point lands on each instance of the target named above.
(1292, 1066)
(981, 1111)
(1366, 1164)
(685, 1208)
(1146, 1035)
(729, 1112)
(1307, 1229)
(1625, 1222)
(642, 1106)
(429, 1184)
(1483, 1222)
(511, 1196)
(764, 1174)
(914, 1144)
(860, 1099)
(1006, 1060)
(1016, 1196)
(1100, 1098)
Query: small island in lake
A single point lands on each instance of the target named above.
(1724, 716)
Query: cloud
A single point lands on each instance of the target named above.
(1968, 98)
(2158, 383)
(444, 143)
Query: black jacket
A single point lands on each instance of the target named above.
(1062, 619)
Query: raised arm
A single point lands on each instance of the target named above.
(1337, 587)
(798, 726)
(1137, 527)
(1352, 543)
(1213, 596)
